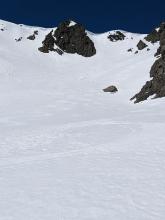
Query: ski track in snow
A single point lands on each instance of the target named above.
(45, 138)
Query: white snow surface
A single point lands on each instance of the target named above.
(69, 151)
(72, 23)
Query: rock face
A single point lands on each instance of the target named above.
(69, 37)
(141, 45)
(156, 86)
(72, 38)
(118, 36)
(161, 30)
(153, 37)
(158, 52)
(111, 89)
(48, 43)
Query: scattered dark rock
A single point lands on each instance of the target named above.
(35, 32)
(111, 89)
(148, 49)
(19, 39)
(2, 29)
(117, 36)
(153, 37)
(31, 37)
(74, 39)
(136, 52)
(156, 86)
(141, 45)
(130, 50)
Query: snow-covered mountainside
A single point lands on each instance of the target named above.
(69, 151)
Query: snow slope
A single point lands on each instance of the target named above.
(68, 151)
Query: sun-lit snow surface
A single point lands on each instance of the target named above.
(68, 151)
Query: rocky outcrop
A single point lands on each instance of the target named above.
(153, 37)
(156, 86)
(117, 36)
(72, 38)
(141, 45)
(111, 89)
(161, 30)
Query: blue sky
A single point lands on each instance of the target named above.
(97, 16)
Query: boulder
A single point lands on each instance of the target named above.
(31, 37)
(111, 89)
(141, 45)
